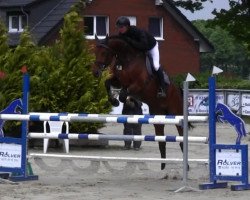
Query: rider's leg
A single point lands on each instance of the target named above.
(163, 85)
(154, 52)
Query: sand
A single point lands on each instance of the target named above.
(91, 180)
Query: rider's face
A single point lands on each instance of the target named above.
(122, 29)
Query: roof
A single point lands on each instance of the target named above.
(52, 19)
(46, 25)
(205, 45)
(11, 3)
(55, 15)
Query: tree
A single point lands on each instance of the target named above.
(229, 55)
(60, 75)
(236, 20)
(190, 4)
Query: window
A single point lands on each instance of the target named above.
(132, 20)
(17, 23)
(95, 25)
(155, 27)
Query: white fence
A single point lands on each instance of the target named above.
(237, 100)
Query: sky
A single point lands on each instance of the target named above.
(205, 13)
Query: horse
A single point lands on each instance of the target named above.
(14, 107)
(128, 71)
(224, 114)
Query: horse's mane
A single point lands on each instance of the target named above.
(104, 42)
(126, 44)
(118, 37)
(111, 37)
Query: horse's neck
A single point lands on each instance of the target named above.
(123, 49)
(224, 110)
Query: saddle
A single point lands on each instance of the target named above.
(151, 69)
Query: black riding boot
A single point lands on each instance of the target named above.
(163, 85)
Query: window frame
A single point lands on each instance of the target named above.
(132, 20)
(94, 26)
(160, 26)
(20, 23)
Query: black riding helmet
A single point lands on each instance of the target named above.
(122, 21)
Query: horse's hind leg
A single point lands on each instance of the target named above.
(159, 130)
(180, 131)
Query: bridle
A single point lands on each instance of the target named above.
(115, 62)
(103, 65)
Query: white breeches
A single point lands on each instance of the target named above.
(154, 52)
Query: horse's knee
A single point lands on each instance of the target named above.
(123, 95)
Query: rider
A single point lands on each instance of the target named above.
(143, 41)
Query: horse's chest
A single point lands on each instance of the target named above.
(122, 74)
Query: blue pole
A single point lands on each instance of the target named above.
(212, 127)
(25, 99)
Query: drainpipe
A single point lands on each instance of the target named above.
(27, 16)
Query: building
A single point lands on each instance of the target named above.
(180, 43)
(43, 17)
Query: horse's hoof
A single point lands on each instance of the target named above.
(114, 102)
(166, 176)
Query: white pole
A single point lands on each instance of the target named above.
(116, 159)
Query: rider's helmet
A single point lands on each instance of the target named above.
(122, 21)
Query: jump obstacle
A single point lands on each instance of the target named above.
(20, 146)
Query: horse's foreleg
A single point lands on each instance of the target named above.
(159, 130)
(123, 95)
(111, 98)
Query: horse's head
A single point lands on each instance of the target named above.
(103, 55)
(15, 107)
(111, 51)
(219, 112)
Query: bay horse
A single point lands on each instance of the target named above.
(128, 71)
